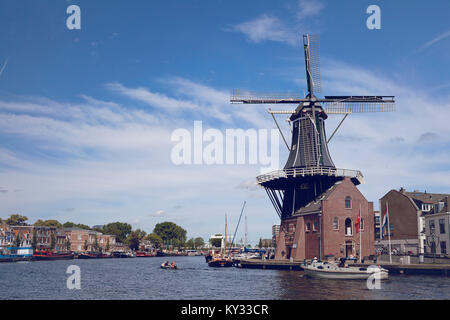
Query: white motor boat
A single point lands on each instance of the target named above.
(327, 270)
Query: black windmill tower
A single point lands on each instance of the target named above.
(309, 170)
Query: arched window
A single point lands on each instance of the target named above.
(348, 227)
(336, 223)
(348, 202)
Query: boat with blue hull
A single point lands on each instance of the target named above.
(13, 254)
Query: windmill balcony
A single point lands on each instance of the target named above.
(313, 171)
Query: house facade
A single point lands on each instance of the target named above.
(407, 211)
(327, 226)
(24, 233)
(82, 240)
(437, 228)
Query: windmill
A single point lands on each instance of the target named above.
(309, 170)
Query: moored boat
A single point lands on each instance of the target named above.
(144, 254)
(13, 254)
(93, 256)
(327, 270)
(220, 261)
(48, 255)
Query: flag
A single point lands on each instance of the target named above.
(358, 221)
(384, 223)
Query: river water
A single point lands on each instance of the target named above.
(142, 278)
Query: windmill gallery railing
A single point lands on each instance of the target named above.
(302, 172)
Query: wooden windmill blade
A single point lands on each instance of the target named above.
(358, 104)
(312, 57)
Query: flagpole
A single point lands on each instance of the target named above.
(360, 242)
(389, 233)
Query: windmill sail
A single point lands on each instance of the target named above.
(314, 58)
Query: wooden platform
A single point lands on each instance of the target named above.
(270, 264)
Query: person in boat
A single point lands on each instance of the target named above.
(166, 264)
(173, 265)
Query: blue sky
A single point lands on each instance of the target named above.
(86, 115)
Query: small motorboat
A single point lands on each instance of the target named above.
(327, 270)
(168, 266)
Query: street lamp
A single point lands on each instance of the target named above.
(431, 243)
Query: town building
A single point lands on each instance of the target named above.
(327, 226)
(437, 228)
(6, 236)
(275, 233)
(82, 240)
(377, 225)
(24, 233)
(45, 238)
(407, 211)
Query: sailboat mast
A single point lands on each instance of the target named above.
(225, 233)
(245, 236)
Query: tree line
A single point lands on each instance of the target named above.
(164, 234)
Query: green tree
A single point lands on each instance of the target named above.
(68, 245)
(95, 245)
(47, 223)
(17, 240)
(119, 229)
(34, 240)
(190, 243)
(69, 224)
(135, 238)
(52, 241)
(199, 242)
(108, 245)
(260, 243)
(85, 246)
(155, 240)
(16, 220)
(171, 233)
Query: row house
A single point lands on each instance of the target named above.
(82, 240)
(437, 228)
(24, 233)
(6, 236)
(407, 214)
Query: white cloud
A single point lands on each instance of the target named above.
(433, 41)
(112, 162)
(286, 29)
(309, 9)
(266, 27)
